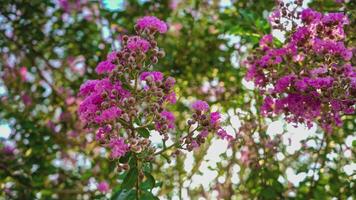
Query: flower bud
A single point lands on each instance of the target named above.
(104, 94)
(125, 117)
(104, 105)
(136, 149)
(154, 59)
(114, 92)
(131, 101)
(125, 167)
(125, 38)
(153, 44)
(161, 54)
(205, 122)
(191, 122)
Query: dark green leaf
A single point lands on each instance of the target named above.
(144, 132)
(130, 179)
(149, 183)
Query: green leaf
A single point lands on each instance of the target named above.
(149, 183)
(268, 193)
(148, 196)
(125, 158)
(354, 143)
(124, 195)
(147, 167)
(144, 132)
(130, 179)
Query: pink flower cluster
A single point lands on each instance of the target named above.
(205, 122)
(129, 97)
(103, 187)
(310, 78)
(102, 101)
(151, 23)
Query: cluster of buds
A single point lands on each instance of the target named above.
(130, 97)
(131, 100)
(203, 122)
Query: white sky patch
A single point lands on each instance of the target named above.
(5, 131)
(292, 139)
(294, 178)
(350, 169)
(248, 84)
(275, 128)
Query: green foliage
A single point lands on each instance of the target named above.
(56, 157)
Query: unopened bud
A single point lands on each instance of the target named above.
(125, 38)
(161, 54)
(114, 92)
(125, 167)
(104, 94)
(131, 101)
(154, 59)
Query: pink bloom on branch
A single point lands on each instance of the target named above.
(204, 133)
(103, 187)
(109, 114)
(224, 135)
(308, 15)
(87, 87)
(200, 105)
(214, 118)
(156, 76)
(136, 43)
(26, 99)
(245, 156)
(23, 73)
(118, 147)
(152, 23)
(8, 149)
(171, 98)
(104, 67)
(266, 40)
(169, 117)
(170, 81)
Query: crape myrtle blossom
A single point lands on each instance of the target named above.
(103, 187)
(151, 23)
(205, 122)
(311, 74)
(130, 100)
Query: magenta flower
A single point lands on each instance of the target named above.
(156, 76)
(103, 187)
(23, 73)
(169, 83)
(109, 114)
(171, 98)
(214, 118)
(93, 92)
(266, 40)
(152, 23)
(200, 105)
(204, 133)
(87, 87)
(224, 135)
(169, 117)
(136, 43)
(8, 149)
(118, 147)
(104, 67)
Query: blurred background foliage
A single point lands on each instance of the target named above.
(48, 49)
